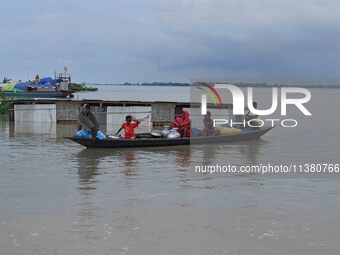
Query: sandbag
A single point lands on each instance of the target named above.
(84, 134)
(100, 135)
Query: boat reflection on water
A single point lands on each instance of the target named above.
(89, 159)
(183, 160)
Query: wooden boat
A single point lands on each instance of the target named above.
(146, 140)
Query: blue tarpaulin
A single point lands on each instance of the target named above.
(23, 85)
(43, 82)
(47, 81)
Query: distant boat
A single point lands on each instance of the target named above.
(46, 87)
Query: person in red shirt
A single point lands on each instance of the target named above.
(129, 127)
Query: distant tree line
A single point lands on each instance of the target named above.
(240, 84)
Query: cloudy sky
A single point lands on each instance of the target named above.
(170, 40)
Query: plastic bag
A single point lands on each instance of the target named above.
(84, 134)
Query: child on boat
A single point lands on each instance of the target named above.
(129, 127)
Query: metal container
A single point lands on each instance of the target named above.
(166, 131)
(173, 134)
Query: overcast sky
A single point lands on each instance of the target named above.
(170, 40)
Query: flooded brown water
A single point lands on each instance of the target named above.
(58, 198)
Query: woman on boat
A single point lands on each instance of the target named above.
(87, 120)
(183, 124)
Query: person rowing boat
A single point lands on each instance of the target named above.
(129, 127)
